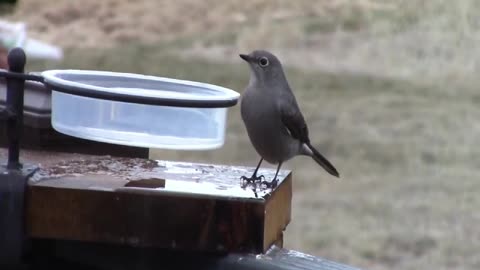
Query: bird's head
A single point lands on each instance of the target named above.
(264, 65)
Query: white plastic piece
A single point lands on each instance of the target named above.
(133, 124)
(15, 35)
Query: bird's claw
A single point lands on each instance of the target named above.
(272, 184)
(257, 179)
(252, 179)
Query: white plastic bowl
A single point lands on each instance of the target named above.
(139, 110)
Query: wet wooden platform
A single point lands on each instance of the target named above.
(146, 203)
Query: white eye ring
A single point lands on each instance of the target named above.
(263, 61)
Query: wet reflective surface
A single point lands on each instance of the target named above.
(157, 176)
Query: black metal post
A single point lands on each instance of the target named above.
(14, 107)
(13, 177)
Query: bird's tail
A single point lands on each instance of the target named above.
(322, 161)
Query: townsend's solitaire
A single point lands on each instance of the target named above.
(274, 122)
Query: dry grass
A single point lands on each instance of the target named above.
(388, 89)
(102, 23)
(409, 39)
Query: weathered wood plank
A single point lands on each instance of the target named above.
(181, 206)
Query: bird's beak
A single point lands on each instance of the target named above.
(245, 57)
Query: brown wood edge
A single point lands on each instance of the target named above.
(276, 222)
(63, 217)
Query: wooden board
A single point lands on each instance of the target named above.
(146, 203)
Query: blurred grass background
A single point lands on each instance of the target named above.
(389, 89)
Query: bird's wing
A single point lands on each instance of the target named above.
(295, 124)
(293, 120)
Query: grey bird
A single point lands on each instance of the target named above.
(274, 122)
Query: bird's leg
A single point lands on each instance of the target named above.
(254, 176)
(256, 170)
(274, 182)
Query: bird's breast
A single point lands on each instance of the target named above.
(265, 128)
(256, 110)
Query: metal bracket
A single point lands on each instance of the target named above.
(14, 105)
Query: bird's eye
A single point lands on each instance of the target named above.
(263, 61)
